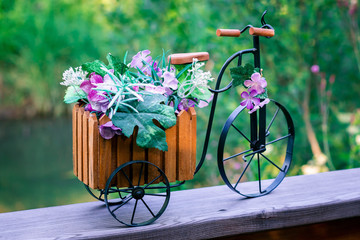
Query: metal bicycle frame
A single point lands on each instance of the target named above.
(257, 134)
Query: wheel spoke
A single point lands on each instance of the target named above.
(152, 181)
(154, 194)
(276, 140)
(122, 204)
(148, 207)
(141, 170)
(272, 162)
(240, 132)
(272, 120)
(133, 214)
(127, 177)
(238, 154)
(243, 172)
(128, 190)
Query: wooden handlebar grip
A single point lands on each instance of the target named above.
(262, 32)
(228, 33)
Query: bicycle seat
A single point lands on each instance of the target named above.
(184, 58)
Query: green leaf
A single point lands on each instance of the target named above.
(149, 135)
(241, 73)
(201, 93)
(94, 66)
(73, 94)
(263, 95)
(116, 64)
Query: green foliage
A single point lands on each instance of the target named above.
(73, 94)
(94, 66)
(116, 64)
(149, 135)
(241, 73)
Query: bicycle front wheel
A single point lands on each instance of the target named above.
(241, 160)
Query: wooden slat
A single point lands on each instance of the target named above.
(184, 147)
(74, 138)
(193, 140)
(112, 163)
(138, 153)
(80, 143)
(156, 157)
(93, 151)
(124, 155)
(104, 159)
(85, 148)
(169, 163)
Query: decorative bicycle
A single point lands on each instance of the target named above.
(259, 138)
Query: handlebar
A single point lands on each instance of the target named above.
(266, 30)
(252, 31)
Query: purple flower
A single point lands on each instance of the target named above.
(170, 80)
(205, 103)
(157, 69)
(155, 89)
(87, 85)
(315, 68)
(256, 83)
(108, 80)
(98, 101)
(260, 105)
(185, 104)
(108, 130)
(137, 60)
(250, 101)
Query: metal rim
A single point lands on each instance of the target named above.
(98, 194)
(135, 194)
(259, 154)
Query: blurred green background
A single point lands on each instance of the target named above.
(39, 39)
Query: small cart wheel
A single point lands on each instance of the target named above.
(98, 194)
(144, 193)
(248, 161)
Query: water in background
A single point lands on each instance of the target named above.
(36, 165)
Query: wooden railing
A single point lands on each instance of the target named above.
(320, 206)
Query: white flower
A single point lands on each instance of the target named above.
(73, 77)
(198, 80)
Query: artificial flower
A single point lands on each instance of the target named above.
(257, 83)
(137, 60)
(249, 99)
(170, 80)
(108, 130)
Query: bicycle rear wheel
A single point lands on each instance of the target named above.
(240, 160)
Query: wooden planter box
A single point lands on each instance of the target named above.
(95, 158)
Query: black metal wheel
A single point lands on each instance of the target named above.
(248, 160)
(145, 197)
(98, 194)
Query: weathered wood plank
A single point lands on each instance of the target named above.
(124, 150)
(169, 162)
(93, 151)
(183, 141)
(211, 212)
(85, 147)
(80, 114)
(74, 137)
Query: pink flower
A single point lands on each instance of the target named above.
(87, 85)
(250, 101)
(260, 105)
(155, 89)
(315, 68)
(205, 103)
(256, 83)
(170, 80)
(108, 130)
(137, 60)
